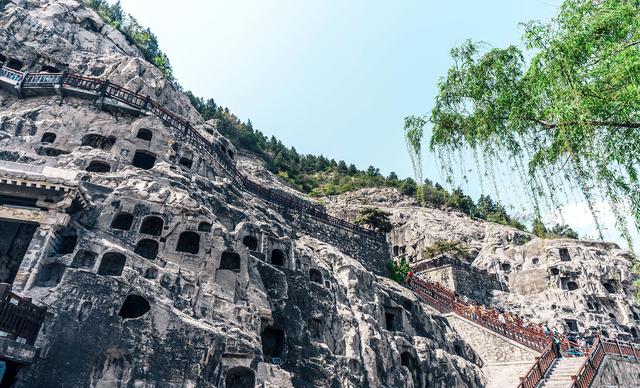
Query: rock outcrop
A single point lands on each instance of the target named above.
(158, 270)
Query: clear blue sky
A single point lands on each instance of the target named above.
(337, 77)
(332, 77)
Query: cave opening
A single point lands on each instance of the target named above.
(230, 261)
(204, 227)
(147, 248)
(112, 264)
(315, 328)
(186, 162)
(406, 360)
(152, 225)
(315, 276)
(240, 377)
(68, 242)
(188, 242)
(144, 159)
(609, 286)
(48, 137)
(392, 319)
(272, 344)
(250, 242)
(122, 221)
(14, 64)
(134, 306)
(564, 254)
(277, 257)
(94, 140)
(572, 286)
(572, 324)
(144, 134)
(84, 259)
(98, 166)
(50, 274)
(15, 237)
(49, 69)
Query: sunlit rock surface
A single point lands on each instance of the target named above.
(169, 275)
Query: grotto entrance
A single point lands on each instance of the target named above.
(272, 344)
(240, 377)
(8, 371)
(15, 237)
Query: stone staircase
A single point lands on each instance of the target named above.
(559, 375)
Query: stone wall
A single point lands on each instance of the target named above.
(373, 254)
(617, 372)
(503, 360)
(464, 281)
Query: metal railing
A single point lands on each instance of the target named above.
(601, 348)
(542, 364)
(19, 317)
(446, 301)
(106, 89)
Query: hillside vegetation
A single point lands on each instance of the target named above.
(315, 175)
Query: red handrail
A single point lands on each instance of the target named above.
(536, 373)
(445, 300)
(601, 348)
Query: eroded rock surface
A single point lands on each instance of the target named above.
(161, 272)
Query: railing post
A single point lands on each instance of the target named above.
(103, 89)
(619, 348)
(103, 93)
(18, 86)
(60, 86)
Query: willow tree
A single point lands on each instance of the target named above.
(561, 109)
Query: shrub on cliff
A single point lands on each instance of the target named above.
(375, 218)
(453, 249)
(399, 270)
(135, 33)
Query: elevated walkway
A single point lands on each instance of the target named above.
(504, 359)
(517, 340)
(110, 96)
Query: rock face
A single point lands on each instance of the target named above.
(584, 287)
(157, 270)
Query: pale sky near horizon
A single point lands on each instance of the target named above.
(337, 77)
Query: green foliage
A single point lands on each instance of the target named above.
(413, 132)
(136, 34)
(538, 228)
(320, 176)
(453, 249)
(557, 231)
(570, 114)
(375, 218)
(563, 231)
(399, 270)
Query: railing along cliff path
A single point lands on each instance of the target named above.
(25, 84)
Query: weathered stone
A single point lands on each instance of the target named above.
(148, 294)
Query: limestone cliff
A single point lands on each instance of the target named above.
(157, 269)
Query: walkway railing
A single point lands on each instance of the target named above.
(539, 369)
(601, 348)
(446, 301)
(19, 316)
(59, 83)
